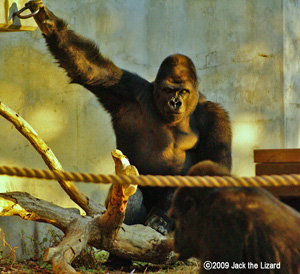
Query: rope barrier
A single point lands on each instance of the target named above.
(161, 181)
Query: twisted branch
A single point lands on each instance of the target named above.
(91, 208)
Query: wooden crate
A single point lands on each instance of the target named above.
(278, 161)
(10, 23)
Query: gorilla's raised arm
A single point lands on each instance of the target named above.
(81, 58)
(84, 63)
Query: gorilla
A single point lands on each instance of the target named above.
(235, 226)
(164, 128)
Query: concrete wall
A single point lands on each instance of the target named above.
(291, 63)
(245, 52)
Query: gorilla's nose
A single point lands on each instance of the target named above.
(175, 103)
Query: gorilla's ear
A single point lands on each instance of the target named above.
(189, 203)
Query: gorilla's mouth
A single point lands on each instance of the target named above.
(171, 112)
(174, 115)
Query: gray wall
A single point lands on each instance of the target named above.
(246, 55)
(291, 72)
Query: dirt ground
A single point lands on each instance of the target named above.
(36, 267)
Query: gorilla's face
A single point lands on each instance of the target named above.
(175, 90)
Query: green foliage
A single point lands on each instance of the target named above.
(90, 260)
(44, 265)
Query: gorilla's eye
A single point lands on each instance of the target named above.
(184, 91)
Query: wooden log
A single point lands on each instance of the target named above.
(135, 242)
(75, 240)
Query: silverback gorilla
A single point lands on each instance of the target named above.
(164, 128)
(235, 226)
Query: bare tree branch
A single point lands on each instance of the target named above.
(30, 208)
(90, 207)
(117, 197)
(135, 242)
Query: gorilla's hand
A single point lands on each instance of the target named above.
(34, 5)
(159, 221)
(45, 19)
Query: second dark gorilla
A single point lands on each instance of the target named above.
(232, 229)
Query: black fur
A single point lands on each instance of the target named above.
(236, 225)
(163, 127)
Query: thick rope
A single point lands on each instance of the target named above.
(161, 181)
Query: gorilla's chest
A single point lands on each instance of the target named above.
(156, 148)
(172, 153)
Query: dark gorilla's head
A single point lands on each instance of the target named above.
(190, 210)
(176, 88)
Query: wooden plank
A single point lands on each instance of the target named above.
(10, 23)
(276, 155)
(283, 191)
(277, 168)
